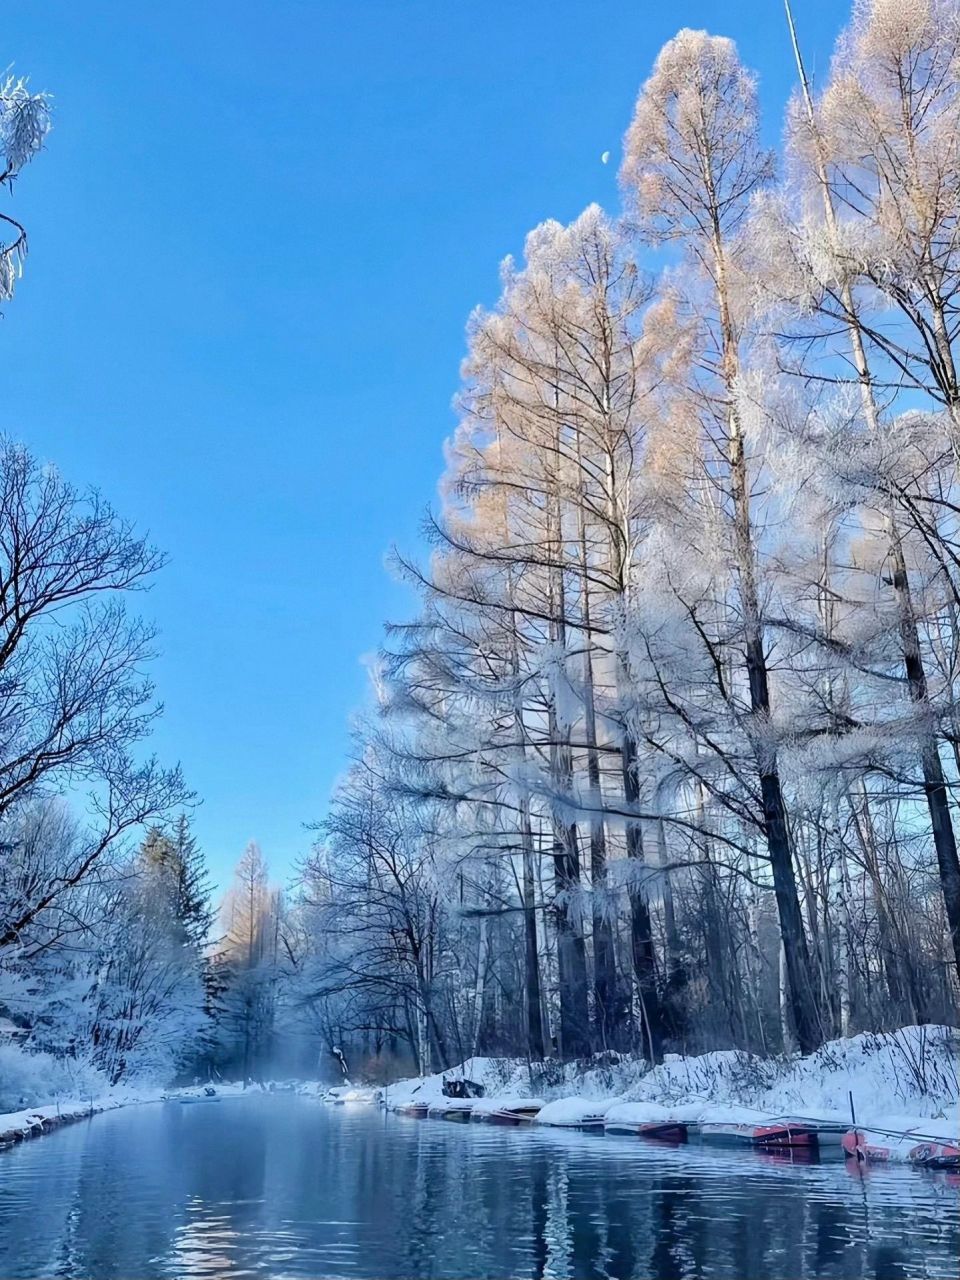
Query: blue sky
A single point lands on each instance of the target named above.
(256, 234)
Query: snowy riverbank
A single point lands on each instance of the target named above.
(32, 1121)
(898, 1081)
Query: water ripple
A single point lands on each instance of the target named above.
(285, 1188)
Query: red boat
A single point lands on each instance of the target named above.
(935, 1155)
(775, 1134)
(879, 1147)
(668, 1131)
(655, 1130)
(785, 1135)
(629, 1120)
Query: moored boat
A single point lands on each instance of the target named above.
(507, 1110)
(936, 1155)
(514, 1114)
(418, 1110)
(727, 1127)
(780, 1133)
(458, 1114)
(451, 1109)
(786, 1133)
(664, 1131)
(573, 1113)
(646, 1120)
(656, 1130)
(882, 1146)
(593, 1121)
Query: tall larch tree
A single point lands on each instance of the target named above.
(692, 163)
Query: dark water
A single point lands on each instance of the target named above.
(283, 1186)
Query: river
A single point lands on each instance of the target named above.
(278, 1186)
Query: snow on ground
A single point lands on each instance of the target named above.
(566, 1113)
(501, 1076)
(912, 1071)
(942, 1130)
(504, 1102)
(340, 1092)
(909, 1075)
(29, 1121)
(899, 1081)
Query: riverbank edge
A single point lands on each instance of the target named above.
(902, 1082)
(869, 1066)
(35, 1122)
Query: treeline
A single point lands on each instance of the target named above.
(114, 964)
(136, 975)
(668, 757)
(100, 948)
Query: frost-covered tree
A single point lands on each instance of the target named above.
(24, 123)
(100, 957)
(75, 704)
(888, 121)
(146, 1001)
(246, 966)
(884, 121)
(177, 851)
(692, 163)
(667, 756)
(118, 986)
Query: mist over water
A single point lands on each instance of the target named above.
(282, 1186)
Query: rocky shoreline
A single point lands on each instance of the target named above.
(35, 1124)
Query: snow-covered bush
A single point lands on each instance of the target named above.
(31, 1078)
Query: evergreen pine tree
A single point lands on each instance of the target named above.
(177, 853)
(193, 884)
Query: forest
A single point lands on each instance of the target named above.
(666, 755)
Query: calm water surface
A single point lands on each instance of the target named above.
(283, 1186)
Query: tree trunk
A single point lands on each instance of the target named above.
(641, 928)
(535, 1045)
(671, 936)
(605, 1002)
(934, 783)
(604, 953)
(571, 948)
(801, 986)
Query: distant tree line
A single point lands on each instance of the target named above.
(105, 931)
